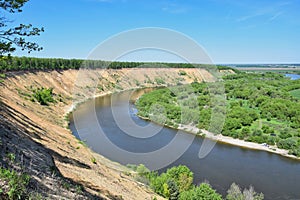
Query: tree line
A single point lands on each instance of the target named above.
(30, 63)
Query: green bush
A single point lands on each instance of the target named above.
(180, 175)
(43, 95)
(2, 76)
(93, 160)
(235, 193)
(204, 191)
(142, 170)
(295, 151)
(289, 143)
(182, 73)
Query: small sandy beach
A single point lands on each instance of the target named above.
(235, 142)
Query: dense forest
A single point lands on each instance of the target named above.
(260, 107)
(27, 63)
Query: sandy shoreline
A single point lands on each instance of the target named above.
(229, 140)
(237, 142)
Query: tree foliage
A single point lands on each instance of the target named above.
(28, 63)
(259, 108)
(43, 95)
(173, 190)
(235, 193)
(202, 192)
(180, 175)
(177, 183)
(15, 37)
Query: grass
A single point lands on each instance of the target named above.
(295, 93)
(2, 76)
(16, 182)
(93, 160)
(273, 123)
(11, 157)
(82, 143)
(159, 81)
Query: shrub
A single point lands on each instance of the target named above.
(295, 151)
(235, 193)
(204, 191)
(17, 183)
(182, 73)
(142, 170)
(2, 76)
(93, 160)
(288, 143)
(43, 95)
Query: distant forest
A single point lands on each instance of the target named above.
(28, 63)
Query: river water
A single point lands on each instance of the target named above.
(97, 122)
(293, 76)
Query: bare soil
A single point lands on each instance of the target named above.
(59, 165)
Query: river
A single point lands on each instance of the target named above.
(276, 176)
(293, 76)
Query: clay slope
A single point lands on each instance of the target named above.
(61, 166)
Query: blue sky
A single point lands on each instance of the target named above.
(231, 31)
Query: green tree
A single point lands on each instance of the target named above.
(182, 176)
(234, 193)
(166, 192)
(13, 37)
(157, 183)
(142, 170)
(173, 190)
(288, 143)
(251, 194)
(202, 192)
(245, 131)
(185, 182)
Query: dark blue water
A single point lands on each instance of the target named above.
(293, 76)
(276, 176)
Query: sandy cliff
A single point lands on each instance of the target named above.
(45, 147)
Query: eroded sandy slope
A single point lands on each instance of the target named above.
(39, 137)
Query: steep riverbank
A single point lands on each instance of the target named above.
(38, 136)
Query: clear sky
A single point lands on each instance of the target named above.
(231, 31)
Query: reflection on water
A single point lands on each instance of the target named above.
(277, 177)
